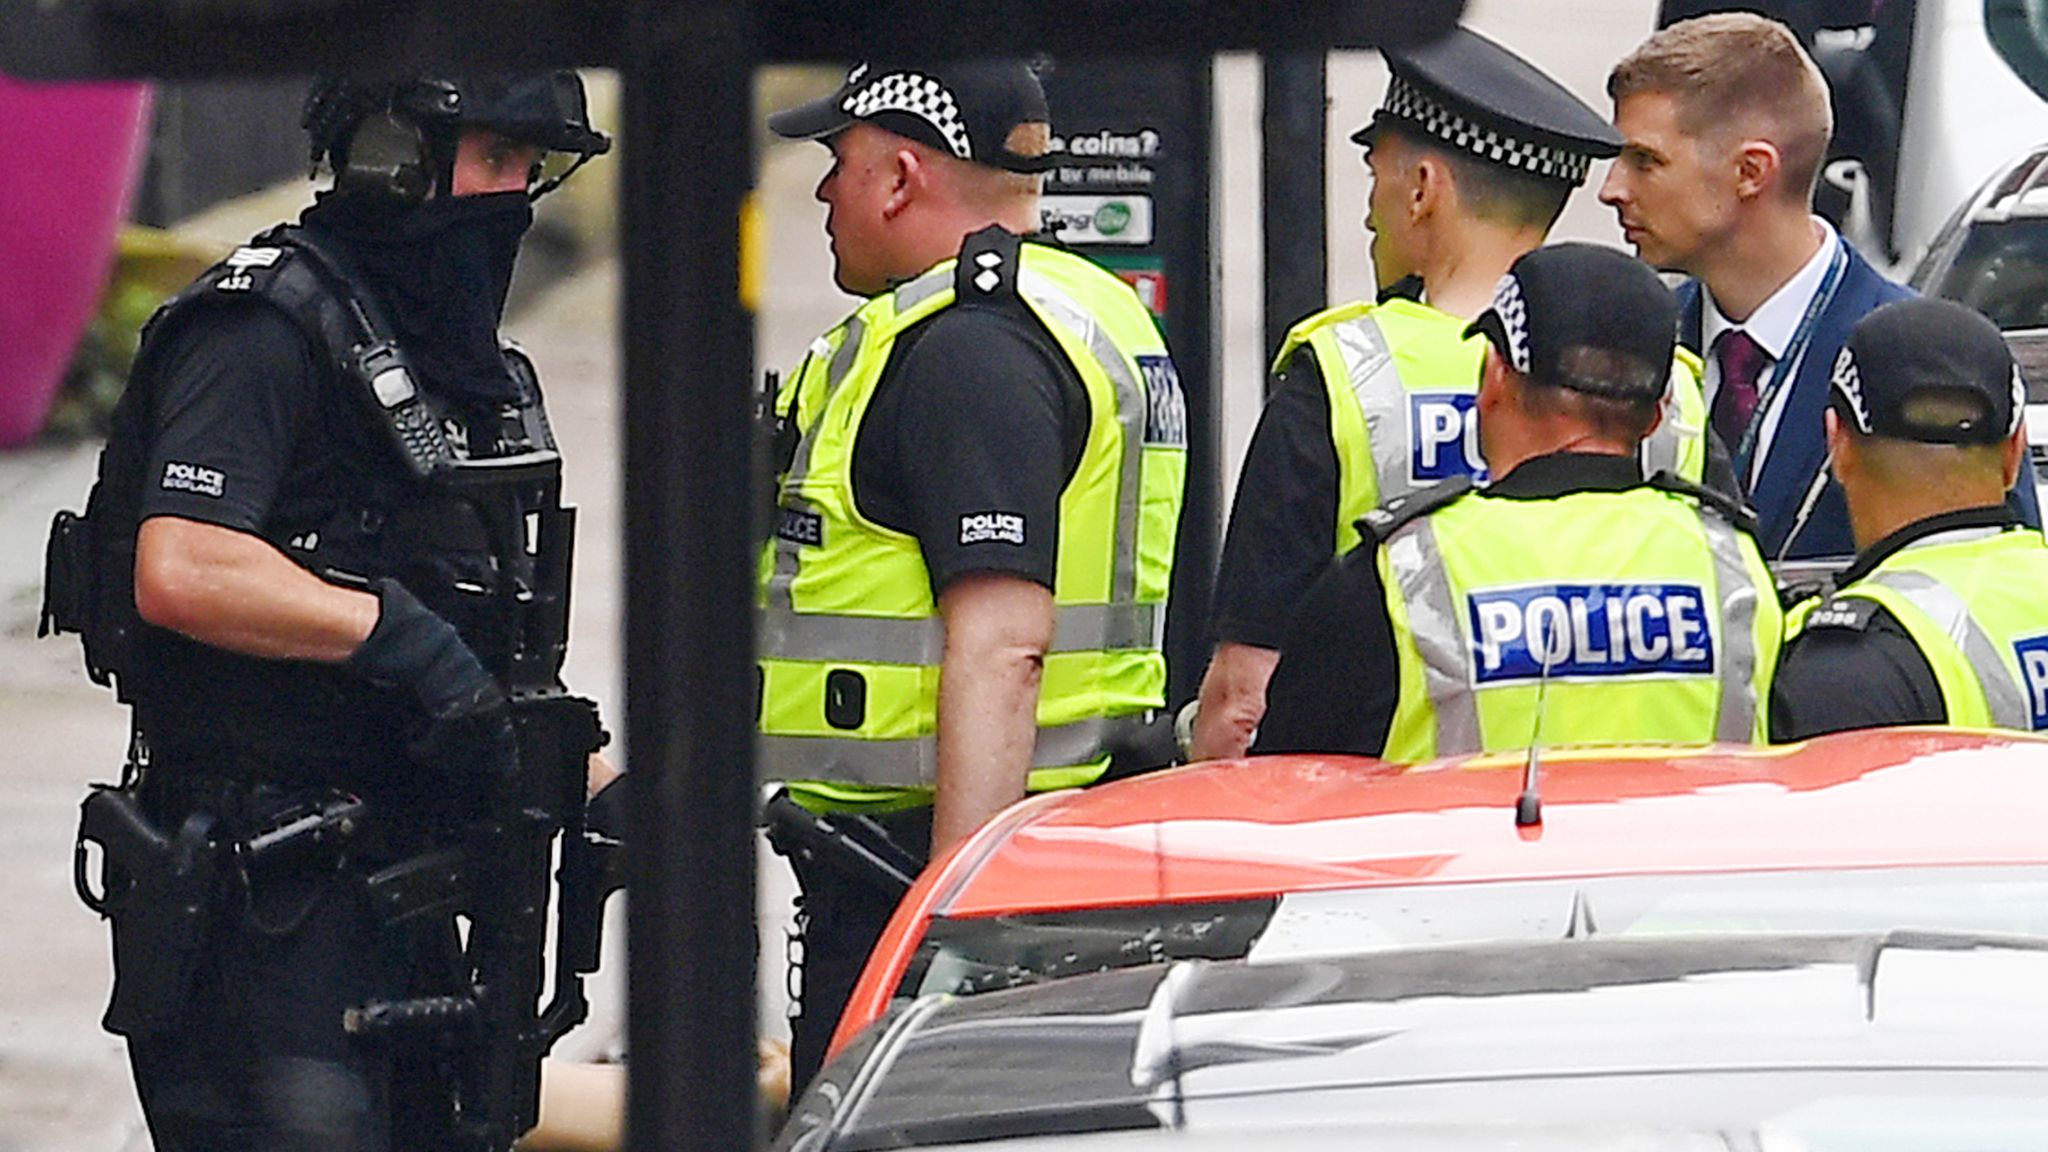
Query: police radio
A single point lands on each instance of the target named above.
(402, 413)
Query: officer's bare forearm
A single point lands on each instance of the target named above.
(236, 591)
(1233, 700)
(998, 628)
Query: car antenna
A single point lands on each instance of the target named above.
(1529, 805)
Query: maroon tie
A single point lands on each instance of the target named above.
(1742, 361)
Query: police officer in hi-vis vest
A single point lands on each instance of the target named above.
(1569, 601)
(1473, 153)
(1942, 619)
(976, 506)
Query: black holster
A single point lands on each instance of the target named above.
(851, 845)
(159, 891)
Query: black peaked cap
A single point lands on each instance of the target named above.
(1468, 93)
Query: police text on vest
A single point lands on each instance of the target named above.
(1443, 436)
(800, 527)
(1581, 630)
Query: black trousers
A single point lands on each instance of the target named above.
(256, 1059)
(840, 916)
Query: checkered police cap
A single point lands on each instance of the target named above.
(1472, 95)
(1409, 104)
(1584, 317)
(965, 108)
(1929, 370)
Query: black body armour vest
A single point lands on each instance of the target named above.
(387, 508)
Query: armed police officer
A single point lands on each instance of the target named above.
(1941, 619)
(977, 501)
(1473, 154)
(323, 548)
(1571, 600)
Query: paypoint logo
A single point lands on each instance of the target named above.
(2033, 654)
(1443, 434)
(1582, 630)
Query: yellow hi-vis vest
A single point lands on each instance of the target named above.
(1401, 379)
(851, 640)
(1611, 617)
(1975, 602)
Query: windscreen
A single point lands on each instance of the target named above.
(967, 956)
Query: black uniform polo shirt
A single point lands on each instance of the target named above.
(977, 412)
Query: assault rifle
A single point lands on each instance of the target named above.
(497, 871)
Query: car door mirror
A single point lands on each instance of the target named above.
(1858, 223)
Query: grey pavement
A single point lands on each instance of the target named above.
(63, 1082)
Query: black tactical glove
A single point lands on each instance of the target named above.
(466, 722)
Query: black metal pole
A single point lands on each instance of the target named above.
(688, 143)
(1191, 331)
(1295, 92)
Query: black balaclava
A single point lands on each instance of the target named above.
(441, 270)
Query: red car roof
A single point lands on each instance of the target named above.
(1244, 828)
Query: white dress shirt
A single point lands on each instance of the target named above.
(1774, 325)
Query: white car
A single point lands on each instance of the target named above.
(1992, 255)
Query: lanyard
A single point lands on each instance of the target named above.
(1787, 366)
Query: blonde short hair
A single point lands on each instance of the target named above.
(1738, 71)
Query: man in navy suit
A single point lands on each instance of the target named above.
(1726, 122)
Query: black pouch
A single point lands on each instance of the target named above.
(67, 576)
(88, 589)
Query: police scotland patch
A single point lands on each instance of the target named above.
(992, 528)
(1574, 631)
(181, 477)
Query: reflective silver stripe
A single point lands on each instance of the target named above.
(787, 553)
(1123, 626)
(914, 763)
(1131, 399)
(1383, 398)
(867, 639)
(887, 640)
(1664, 446)
(1735, 721)
(924, 288)
(1418, 564)
(2009, 706)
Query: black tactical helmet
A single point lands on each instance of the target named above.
(397, 136)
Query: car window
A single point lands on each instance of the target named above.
(2001, 270)
(973, 955)
(1933, 268)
